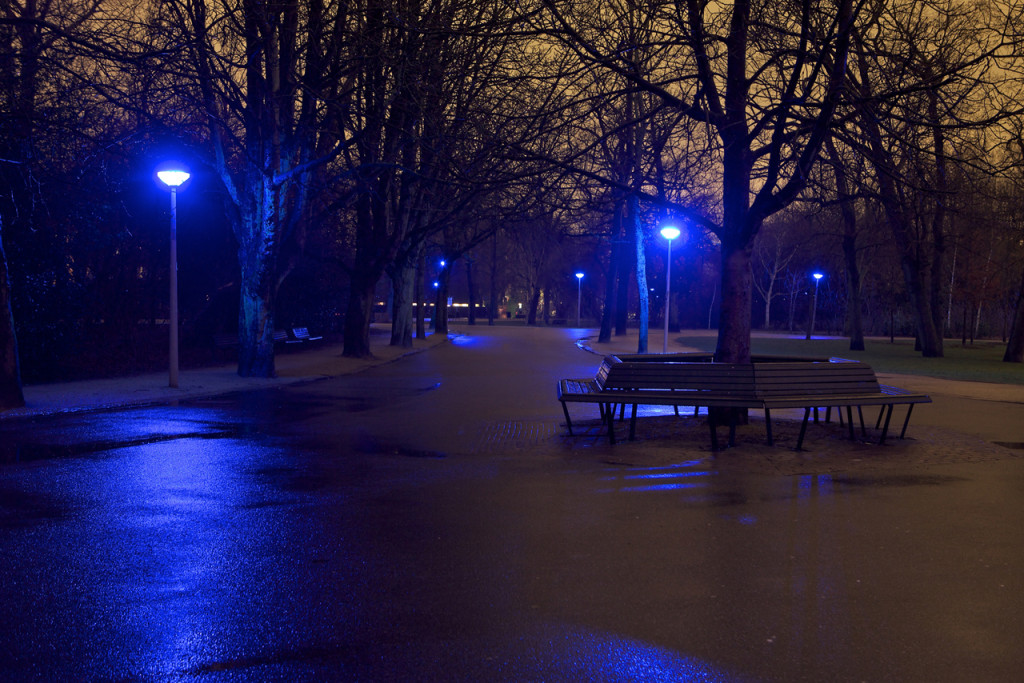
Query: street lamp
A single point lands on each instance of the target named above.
(173, 175)
(814, 306)
(579, 296)
(669, 233)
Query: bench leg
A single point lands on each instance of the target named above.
(849, 419)
(632, 424)
(860, 412)
(568, 422)
(803, 429)
(878, 422)
(768, 425)
(609, 411)
(885, 427)
(906, 421)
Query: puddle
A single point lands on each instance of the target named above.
(34, 452)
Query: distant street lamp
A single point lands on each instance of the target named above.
(173, 176)
(669, 233)
(814, 306)
(579, 296)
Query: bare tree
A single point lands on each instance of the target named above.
(773, 253)
(764, 99)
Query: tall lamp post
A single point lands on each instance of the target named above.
(669, 233)
(814, 305)
(173, 176)
(579, 296)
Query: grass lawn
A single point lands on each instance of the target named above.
(980, 362)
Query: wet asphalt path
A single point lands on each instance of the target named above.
(427, 520)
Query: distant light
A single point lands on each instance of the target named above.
(579, 276)
(818, 276)
(670, 232)
(443, 262)
(436, 283)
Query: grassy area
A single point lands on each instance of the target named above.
(981, 362)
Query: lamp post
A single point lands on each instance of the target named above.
(814, 305)
(669, 233)
(579, 296)
(173, 176)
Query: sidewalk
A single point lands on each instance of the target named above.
(310, 362)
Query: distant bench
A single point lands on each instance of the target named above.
(765, 384)
(223, 341)
(300, 335)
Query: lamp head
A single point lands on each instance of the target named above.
(579, 276)
(818, 276)
(670, 232)
(173, 174)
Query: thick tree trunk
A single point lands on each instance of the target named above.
(256, 320)
(1015, 346)
(11, 394)
(918, 284)
(257, 257)
(734, 317)
(403, 284)
(358, 314)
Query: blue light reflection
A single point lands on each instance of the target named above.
(608, 657)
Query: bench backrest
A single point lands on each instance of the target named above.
(729, 379)
(814, 379)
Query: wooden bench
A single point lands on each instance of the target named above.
(300, 335)
(698, 384)
(837, 384)
(691, 379)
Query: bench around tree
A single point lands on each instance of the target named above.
(765, 384)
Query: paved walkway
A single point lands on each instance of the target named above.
(312, 362)
(988, 411)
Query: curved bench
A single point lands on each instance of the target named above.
(765, 384)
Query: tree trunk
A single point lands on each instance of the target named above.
(421, 305)
(492, 305)
(608, 314)
(256, 320)
(641, 273)
(358, 314)
(854, 313)
(258, 244)
(471, 316)
(734, 317)
(1015, 347)
(531, 315)
(403, 285)
(11, 394)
